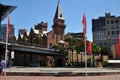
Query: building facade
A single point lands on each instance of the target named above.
(41, 37)
(57, 34)
(105, 30)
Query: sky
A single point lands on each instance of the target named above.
(31, 12)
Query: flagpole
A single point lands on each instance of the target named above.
(85, 56)
(91, 58)
(6, 51)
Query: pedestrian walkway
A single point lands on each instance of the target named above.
(40, 71)
(107, 77)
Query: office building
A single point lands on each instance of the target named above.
(3, 31)
(105, 30)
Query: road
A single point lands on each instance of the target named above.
(107, 77)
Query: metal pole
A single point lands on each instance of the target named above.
(91, 59)
(85, 56)
(6, 49)
(91, 56)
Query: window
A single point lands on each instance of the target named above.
(107, 22)
(112, 22)
(50, 44)
(112, 27)
(117, 26)
(113, 32)
(117, 32)
(116, 21)
(108, 32)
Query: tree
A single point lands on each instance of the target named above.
(95, 49)
(78, 47)
(104, 50)
(56, 47)
(71, 46)
(24, 40)
(37, 39)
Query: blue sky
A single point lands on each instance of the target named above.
(31, 12)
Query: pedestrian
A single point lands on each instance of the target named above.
(1, 70)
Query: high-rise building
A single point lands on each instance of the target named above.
(3, 31)
(105, 30)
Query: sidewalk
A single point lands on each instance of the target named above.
(39, 71)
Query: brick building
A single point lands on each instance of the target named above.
(39, 35)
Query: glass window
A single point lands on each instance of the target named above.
(113, 32)
(112, 27)
(112, 22)
(117, 26)
(117, 32)
(108, 32)
(116, 21)
(108, 22)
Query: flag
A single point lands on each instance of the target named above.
(119, 45)
(8, 31)
(89, 48)
(84, 28)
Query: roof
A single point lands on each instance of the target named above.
(4, 9)
(58, 14)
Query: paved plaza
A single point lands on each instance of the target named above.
(39, 71)
(108, 77)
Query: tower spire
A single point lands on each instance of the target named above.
(58, 14)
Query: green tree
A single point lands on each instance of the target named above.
(71, 46)
(56, 47)
(24, 40)
(37, 39)
(79, 47)
(104, 50)
(95, 49)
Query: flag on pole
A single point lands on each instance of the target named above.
(84, 28)
(119, 45)
(89, 48)
(8, 31)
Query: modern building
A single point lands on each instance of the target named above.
(105, 30)
(3, 31)
(4, 9)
